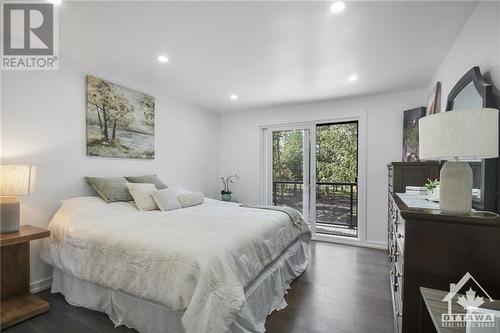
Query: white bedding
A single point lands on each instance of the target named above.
(197, 259)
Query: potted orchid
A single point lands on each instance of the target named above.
(225, 193)
(432, 187)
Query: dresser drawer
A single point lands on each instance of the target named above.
(400, 222)
(395, 253)
(391, 179)
(398, 313)
(397, 304)
(398, 279)
(393, 212)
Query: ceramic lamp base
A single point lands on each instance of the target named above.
(455, 193)
(9, 215)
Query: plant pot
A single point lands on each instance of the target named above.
(226, 196)
(433, 195)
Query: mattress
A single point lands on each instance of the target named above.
(196, 260)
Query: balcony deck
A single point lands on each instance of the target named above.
(336, 230)
(336, 205)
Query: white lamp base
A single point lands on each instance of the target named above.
(455, 194)
(9, 214)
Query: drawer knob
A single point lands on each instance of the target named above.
(393, 256)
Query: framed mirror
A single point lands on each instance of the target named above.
(472, 92)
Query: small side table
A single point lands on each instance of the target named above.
(17, 302)
(432, 308)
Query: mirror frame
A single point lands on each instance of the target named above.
(489, 167)
(484, 89)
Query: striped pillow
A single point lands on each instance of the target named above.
(190, 199)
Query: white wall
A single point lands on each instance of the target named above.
(240, 144)
(43, 123)
(477, 45)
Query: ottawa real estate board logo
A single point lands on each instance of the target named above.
(470, 310)
(30, 38)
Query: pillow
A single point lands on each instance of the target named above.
(150, 179)
(166, 199)
(111, 189)
(190, 199)
(141, 192)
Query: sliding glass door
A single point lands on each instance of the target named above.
(314, 169)
(290, 168)
(336, 195)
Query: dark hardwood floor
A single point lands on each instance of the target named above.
(345, 289)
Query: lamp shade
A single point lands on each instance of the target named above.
(16, 180)
(459, 134)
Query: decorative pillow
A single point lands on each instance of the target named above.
(141, 192)
(190, 199)
(166, 199)
(111, 189)
(150, 179)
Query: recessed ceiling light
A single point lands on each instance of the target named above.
(55, 2)
(337, 7)
(352, 78)
(233, 97)
(162, 58)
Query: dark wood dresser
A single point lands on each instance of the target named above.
(431, 248)
(402, 174)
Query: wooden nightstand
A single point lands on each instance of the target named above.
(17, 302)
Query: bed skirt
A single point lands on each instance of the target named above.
(263, 296)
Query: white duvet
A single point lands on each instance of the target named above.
(197, 259)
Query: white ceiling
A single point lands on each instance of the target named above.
(266, 52)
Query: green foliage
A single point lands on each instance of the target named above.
(336, 153)
(288, 155)
(431, 184)
(337, 150)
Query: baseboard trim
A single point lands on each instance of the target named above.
(41, 285)
(352, 242)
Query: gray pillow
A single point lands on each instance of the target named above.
(148, 179)
(111, 189)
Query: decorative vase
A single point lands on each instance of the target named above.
(226, 196)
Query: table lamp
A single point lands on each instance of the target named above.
(456, 137)
(15, 181)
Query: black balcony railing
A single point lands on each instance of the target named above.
(336, 202)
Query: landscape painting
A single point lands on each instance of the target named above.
(120, 121)
(410, 134)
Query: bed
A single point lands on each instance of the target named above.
(215, 267)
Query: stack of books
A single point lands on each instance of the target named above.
(416, 190)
